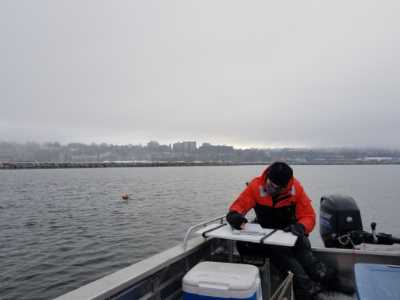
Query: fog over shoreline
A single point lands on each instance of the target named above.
(56, 155)
(50, 143)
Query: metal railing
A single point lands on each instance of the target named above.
(197, 226)
(285, 290)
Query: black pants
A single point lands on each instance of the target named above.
(309, 272)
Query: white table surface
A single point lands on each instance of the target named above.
(279, 238)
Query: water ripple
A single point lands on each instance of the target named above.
(60, 229)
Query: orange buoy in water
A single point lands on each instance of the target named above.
(125, 196)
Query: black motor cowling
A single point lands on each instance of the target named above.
(339, 215)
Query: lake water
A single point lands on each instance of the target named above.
(60, 229)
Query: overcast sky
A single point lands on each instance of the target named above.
(243, 73)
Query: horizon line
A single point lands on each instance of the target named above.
(199, 144)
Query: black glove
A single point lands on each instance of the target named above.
(297, 229)
(235, 219)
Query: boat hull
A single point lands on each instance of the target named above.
(160, 276)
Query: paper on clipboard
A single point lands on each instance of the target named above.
(250, 228)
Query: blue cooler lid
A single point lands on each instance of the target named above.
(377, 281)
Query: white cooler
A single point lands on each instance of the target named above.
(221, 281)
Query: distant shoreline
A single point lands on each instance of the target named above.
(89, 165)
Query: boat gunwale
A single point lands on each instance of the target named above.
(112, 284)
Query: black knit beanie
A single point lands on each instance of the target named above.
(280, 173)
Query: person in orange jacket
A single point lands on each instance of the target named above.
(280, 202)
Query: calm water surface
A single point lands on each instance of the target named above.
(60, 229)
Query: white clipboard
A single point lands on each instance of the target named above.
(267, 236)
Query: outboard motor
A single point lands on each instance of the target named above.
(339, 216)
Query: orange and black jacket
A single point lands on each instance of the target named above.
(291, 206)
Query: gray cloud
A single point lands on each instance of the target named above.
(248, 74)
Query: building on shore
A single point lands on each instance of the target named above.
(184, 147)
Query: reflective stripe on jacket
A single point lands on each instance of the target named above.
(290, 206)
